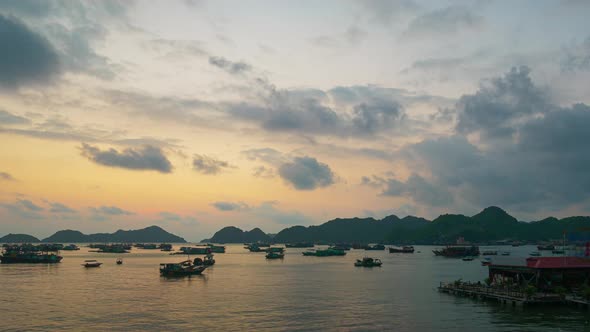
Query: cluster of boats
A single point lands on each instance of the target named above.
(29, 253)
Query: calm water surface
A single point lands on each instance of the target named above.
(244, 291)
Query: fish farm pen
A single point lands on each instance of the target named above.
(530, 281)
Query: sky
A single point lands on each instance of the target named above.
(195, 115)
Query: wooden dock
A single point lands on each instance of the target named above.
(506, 296)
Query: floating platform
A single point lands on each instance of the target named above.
(501, 295)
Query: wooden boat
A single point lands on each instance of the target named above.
(457, 251)
(71, 247)
(119, 261)
(91, 263)
(404, 250)
(182, 269)
(535, 254)
(545, 247)
(467, 259)
(12, 254)
(205, 261)
(375, 247)
(216, 249)
(486, 261)
(275, 255)
(490, 253)
(299, 245)
(368, 262)
(324, 252)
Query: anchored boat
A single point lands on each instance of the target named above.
(28, 254)
(368, 262)
(91, 263)
(404, 250)
(182, 269)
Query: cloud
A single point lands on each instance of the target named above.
(26, 57)
(577, 57)
(263, 172)
(146, 158)
(268, 155)
(6, 176)
(11, 119)
(229, 206)
(24, 209)
(306, 173)
(308, 112)
(268, 210)
(208, 165)
(420, 190)
(353, 36)
(496, 109)
(110, 210)
(60, 208)
(443, 21)
(170, 217)
(234, 68)
(386, 11)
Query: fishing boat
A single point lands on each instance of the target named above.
(216, 249)
(324, 252)
(275, 255)
(194, 251)
(375, 247)
(467, 259)
(70, 247)
(91, 263)
(505, 253)
(299, 245)
(113, 249)
(489, 253)
(404, 250)
(274, 249)
(546, 247)
(14, 254)
(206, 261)
(486, 261)
(119, 261)
(457, 251)
(165, 247)
(368, 262)
(535, 254)
(182, 269)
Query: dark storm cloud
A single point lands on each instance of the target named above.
(496, 107)
(208, 165)
(11, 119)
(229, 66)
(443, 21)
(229, 206)
(145, 158)
(306, 173)
(26, 56)
(420, 190)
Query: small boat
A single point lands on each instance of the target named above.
(206, 261)
(119, 261)
(375, 247)
(489, 253)
(486, 261)
(91, 263)
(182, 269)
(299, 245)
(71, 247)
(457, 251)
(467, 259)
(216, 249)
(535, 254)
(404, 250)
(275, 255)
(324, 252)
(505, 253)
(545, 247)
(368, 262)
(274, 249)
(558, 251)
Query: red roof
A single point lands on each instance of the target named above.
(558, 262)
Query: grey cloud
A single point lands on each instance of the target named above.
(305, 112)
(443, 21)
(229, 206)
(26, 7)
(146, 158)
(352, 36)
(420, 190)
(386, 11)
(268, 210)
(263, 172)
(23, 209)
(60, 208)
(11, 119)
(268, 155)
(231, 67)
(208, 165)
(495, 108)
(26, 57)
(6, 176)
(110, 210)
(30, 205)
(306, 173)
(577, 57)
(168, 217)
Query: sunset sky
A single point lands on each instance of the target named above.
(195, 115)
